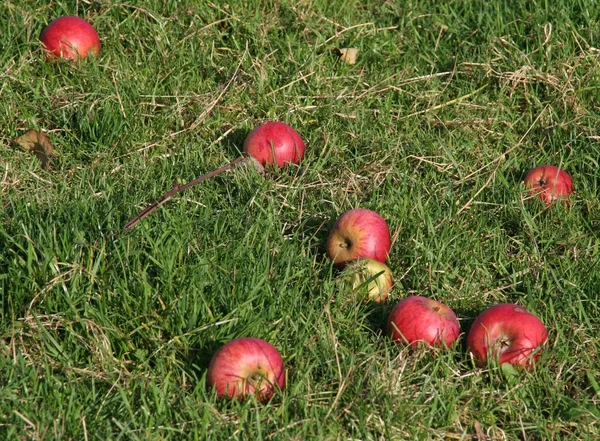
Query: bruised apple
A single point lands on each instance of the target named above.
(372, 277)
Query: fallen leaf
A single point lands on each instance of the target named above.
(348, 54)
(37, 143)
(253, 162)
(479, 433)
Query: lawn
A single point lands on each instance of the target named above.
(107, 335)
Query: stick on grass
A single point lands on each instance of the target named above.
(178, 188)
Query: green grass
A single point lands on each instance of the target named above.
(448, 106)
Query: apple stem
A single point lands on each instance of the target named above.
(178, 188)
(502, 343)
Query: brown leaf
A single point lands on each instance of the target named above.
(37, 143)
(348, 54)
(481, 436)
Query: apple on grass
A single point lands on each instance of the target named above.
(507, 333)
(244, 367)
(70, 38)
(417, 320)
(549, 182)
(274, 142)
(358, 233)
(370, 277)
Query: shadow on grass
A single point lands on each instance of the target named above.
(197, 359)
(233, 142)
(314, 231)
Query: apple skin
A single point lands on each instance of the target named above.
(416, 320)
(508, 333)
(246, 366)
(382, 282)
(70, 38)
(549, 182)
(275, 142)
(358, 233)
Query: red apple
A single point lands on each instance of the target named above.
(372, 277)
(549, 182)
(417, 320)
(246, 366)
(70, 38)
(508, 333)
(274, 142)
(357, 234)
